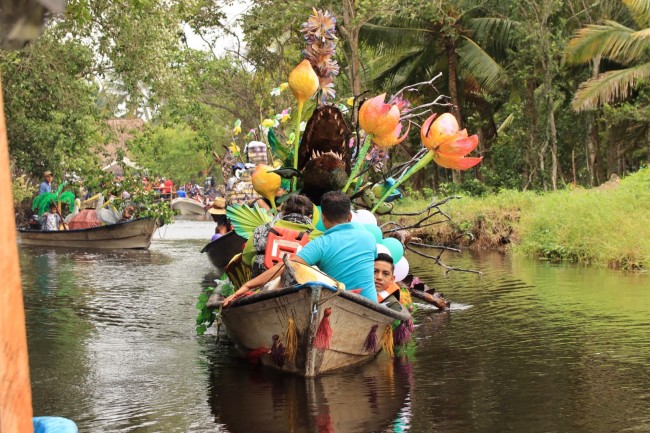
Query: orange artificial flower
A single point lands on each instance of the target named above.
(382, 121)
(448, 144)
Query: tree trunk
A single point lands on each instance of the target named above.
(531, 114)
(612, 159)
(553, 146)
(450, 47)
(351, 32)
(647, 134)
(592, 132)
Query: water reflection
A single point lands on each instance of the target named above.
(372, 398)
(527, 347)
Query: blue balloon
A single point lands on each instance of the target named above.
(375, 230)
(395, 247)
(319, 224)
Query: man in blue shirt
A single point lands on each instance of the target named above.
(346, 252)
(46, 185)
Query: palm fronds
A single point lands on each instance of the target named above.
(610, 40)
(480, 65)
(494, 32)
(609, 87)
(640, 11)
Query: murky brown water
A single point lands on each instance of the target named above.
(528, 347)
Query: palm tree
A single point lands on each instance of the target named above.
(625, 44)
(450, 40)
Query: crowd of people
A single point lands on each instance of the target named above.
(346, 251)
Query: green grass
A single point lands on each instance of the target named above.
(603, 226)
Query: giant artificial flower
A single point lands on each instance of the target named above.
(303, 81)
(448, 143)
(447, 146)
(382, 121)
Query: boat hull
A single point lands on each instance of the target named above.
(186, 206)
(134, 234)
(251, 323)
(222, 250)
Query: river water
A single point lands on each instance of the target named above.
(527, 347)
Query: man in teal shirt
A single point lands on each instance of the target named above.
(346, 252)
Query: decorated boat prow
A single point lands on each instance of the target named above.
(312, 327)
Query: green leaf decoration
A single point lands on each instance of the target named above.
(279, 151)
(42, 202)
(287, 172)
(245, 219)
(68, 198)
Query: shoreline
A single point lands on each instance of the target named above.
(605, 226)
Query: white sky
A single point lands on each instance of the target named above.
(233, 13)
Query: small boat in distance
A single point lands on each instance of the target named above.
(133, 234)
(187, 206)
(284, 327)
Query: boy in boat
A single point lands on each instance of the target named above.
(50, 220)
(346, 252)
(387, 288)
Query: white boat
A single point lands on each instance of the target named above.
(188, 206)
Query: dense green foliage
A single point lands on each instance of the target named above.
(602, 226)
(513, 71)
(556, 89)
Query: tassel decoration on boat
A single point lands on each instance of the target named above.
(255, 355)
(370, 344)
(405, 297)
(402, 334)
(387, 341)
(277, 352)
(291, 338)
(410, 325)
(324, 332)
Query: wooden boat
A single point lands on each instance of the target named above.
(136, 234)
(187, 206)
(253, 321)
(222, 250)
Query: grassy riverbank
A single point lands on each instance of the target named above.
(606, 226)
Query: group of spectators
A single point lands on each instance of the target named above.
(346, 251)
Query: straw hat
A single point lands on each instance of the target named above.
(218, 206)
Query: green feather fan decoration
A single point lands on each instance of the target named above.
(42, 202)
(245, 219)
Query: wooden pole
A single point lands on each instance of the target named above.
(15, 389)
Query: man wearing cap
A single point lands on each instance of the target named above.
(46, 185)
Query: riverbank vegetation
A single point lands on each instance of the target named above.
(556, 90)
(605, 226)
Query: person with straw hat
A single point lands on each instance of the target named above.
(218, 212)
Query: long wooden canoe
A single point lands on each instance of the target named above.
(253, 321)
(134, 234)
(222, 250)
(187, 206)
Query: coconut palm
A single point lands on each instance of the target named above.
(450, 40)
(623, 43)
